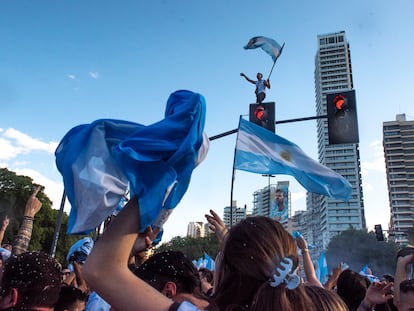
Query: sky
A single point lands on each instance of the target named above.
(65, 63)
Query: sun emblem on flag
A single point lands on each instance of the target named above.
(285, 155)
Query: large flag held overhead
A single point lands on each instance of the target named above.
(103, 160)
(260, 151)
(268, 45)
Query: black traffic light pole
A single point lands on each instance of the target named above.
(276, 122)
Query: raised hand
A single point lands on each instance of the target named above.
(217, 225)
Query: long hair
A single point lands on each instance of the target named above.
(250, 256)
(351, 287)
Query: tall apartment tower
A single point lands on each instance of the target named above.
(238, 214)
(333, 73)
(398, 142)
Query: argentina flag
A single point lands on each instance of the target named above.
(261, 151)
(268, 45)
(100, 162)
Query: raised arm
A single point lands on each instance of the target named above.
(248, 79)
(118, 285)
(22, 239)
(216, 224)
(377, 293)
(3, 228)
(307, 262)
(267, 83)
(400, 275)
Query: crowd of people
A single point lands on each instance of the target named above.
(257, 268)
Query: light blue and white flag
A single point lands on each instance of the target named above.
(260, 151)
(268, 45)
(322, 272)
(210, 264)
(101, 161)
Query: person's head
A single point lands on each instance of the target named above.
(64, 274)
(280, 198)
(171, 273)
(388, 278)
(254, 253)
(30, 280)
(206, 280)
(351, 287)
(71, 299)
(259, 76)
(7, 246)
(204, 273)
(406, 302)
(326, 300)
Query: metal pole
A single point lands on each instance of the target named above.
(58, 224)
(276, 122)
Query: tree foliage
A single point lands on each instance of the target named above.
(359, 247)
(14, 192)
(193, 248)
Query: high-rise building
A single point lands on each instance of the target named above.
(273, 201)
(195, 229)
(238, 213)
(333, 73)
(398, 142)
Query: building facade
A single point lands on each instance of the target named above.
(238, 214)
(333, 73)
(195, 229)
(398, 142)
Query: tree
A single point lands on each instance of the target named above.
(358, 247)
(14, 192)
(410, 235)
(193, 248)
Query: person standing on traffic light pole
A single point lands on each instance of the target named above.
(261, 86)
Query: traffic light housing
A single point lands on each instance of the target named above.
(378, 233)
(342, 118)
(263, 115)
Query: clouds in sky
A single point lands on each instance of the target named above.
(14, 143)
(92, 74)
(16, 149)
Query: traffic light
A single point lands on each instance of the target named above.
(342, 118)
(263, 115)
(378, 233)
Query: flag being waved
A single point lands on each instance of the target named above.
(268, 45)
(101, 161)
(260, 151)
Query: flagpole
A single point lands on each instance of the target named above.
(274, 63)
(233, 175)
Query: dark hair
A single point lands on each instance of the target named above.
(69, 295)
(407, 286)
(206, 274)
(167, 266)
(351, 287)
(36, 276)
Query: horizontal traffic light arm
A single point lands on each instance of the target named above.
(276, 122)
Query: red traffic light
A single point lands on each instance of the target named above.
(339, 102)
(259, 113)
(263, 115)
